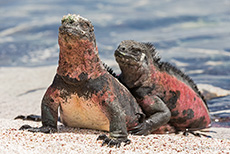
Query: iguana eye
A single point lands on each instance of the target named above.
(84, 26)
(121, 48)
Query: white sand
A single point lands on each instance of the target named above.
(21, 91)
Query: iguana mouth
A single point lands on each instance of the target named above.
(126, 58)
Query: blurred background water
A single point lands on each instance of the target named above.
(192, 35)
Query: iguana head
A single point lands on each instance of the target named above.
(134, 59)
(77, 26)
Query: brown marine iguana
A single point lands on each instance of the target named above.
(146, 78)
(86, 94)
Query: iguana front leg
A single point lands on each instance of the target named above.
(158, 115)
(118, 130)
(49, 108)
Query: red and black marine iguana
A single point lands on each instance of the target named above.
(87, 95)
(147, 78)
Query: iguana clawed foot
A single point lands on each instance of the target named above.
(141, 129)
(187, 132)
(31, 117)
(43, 129)
(113, 142)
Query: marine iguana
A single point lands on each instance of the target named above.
(147, 77)
(85, 93)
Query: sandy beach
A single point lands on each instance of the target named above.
(21, 91)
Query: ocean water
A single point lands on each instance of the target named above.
(192, 35)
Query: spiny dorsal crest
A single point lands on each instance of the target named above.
(152, 52)
(110, 70)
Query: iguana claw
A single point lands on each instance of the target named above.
(113, 142)
(186, 133)
(43, 129)
(31, 117)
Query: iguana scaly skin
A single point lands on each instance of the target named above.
(146, 78)
(84, 92)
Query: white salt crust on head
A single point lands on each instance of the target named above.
(72, 18)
